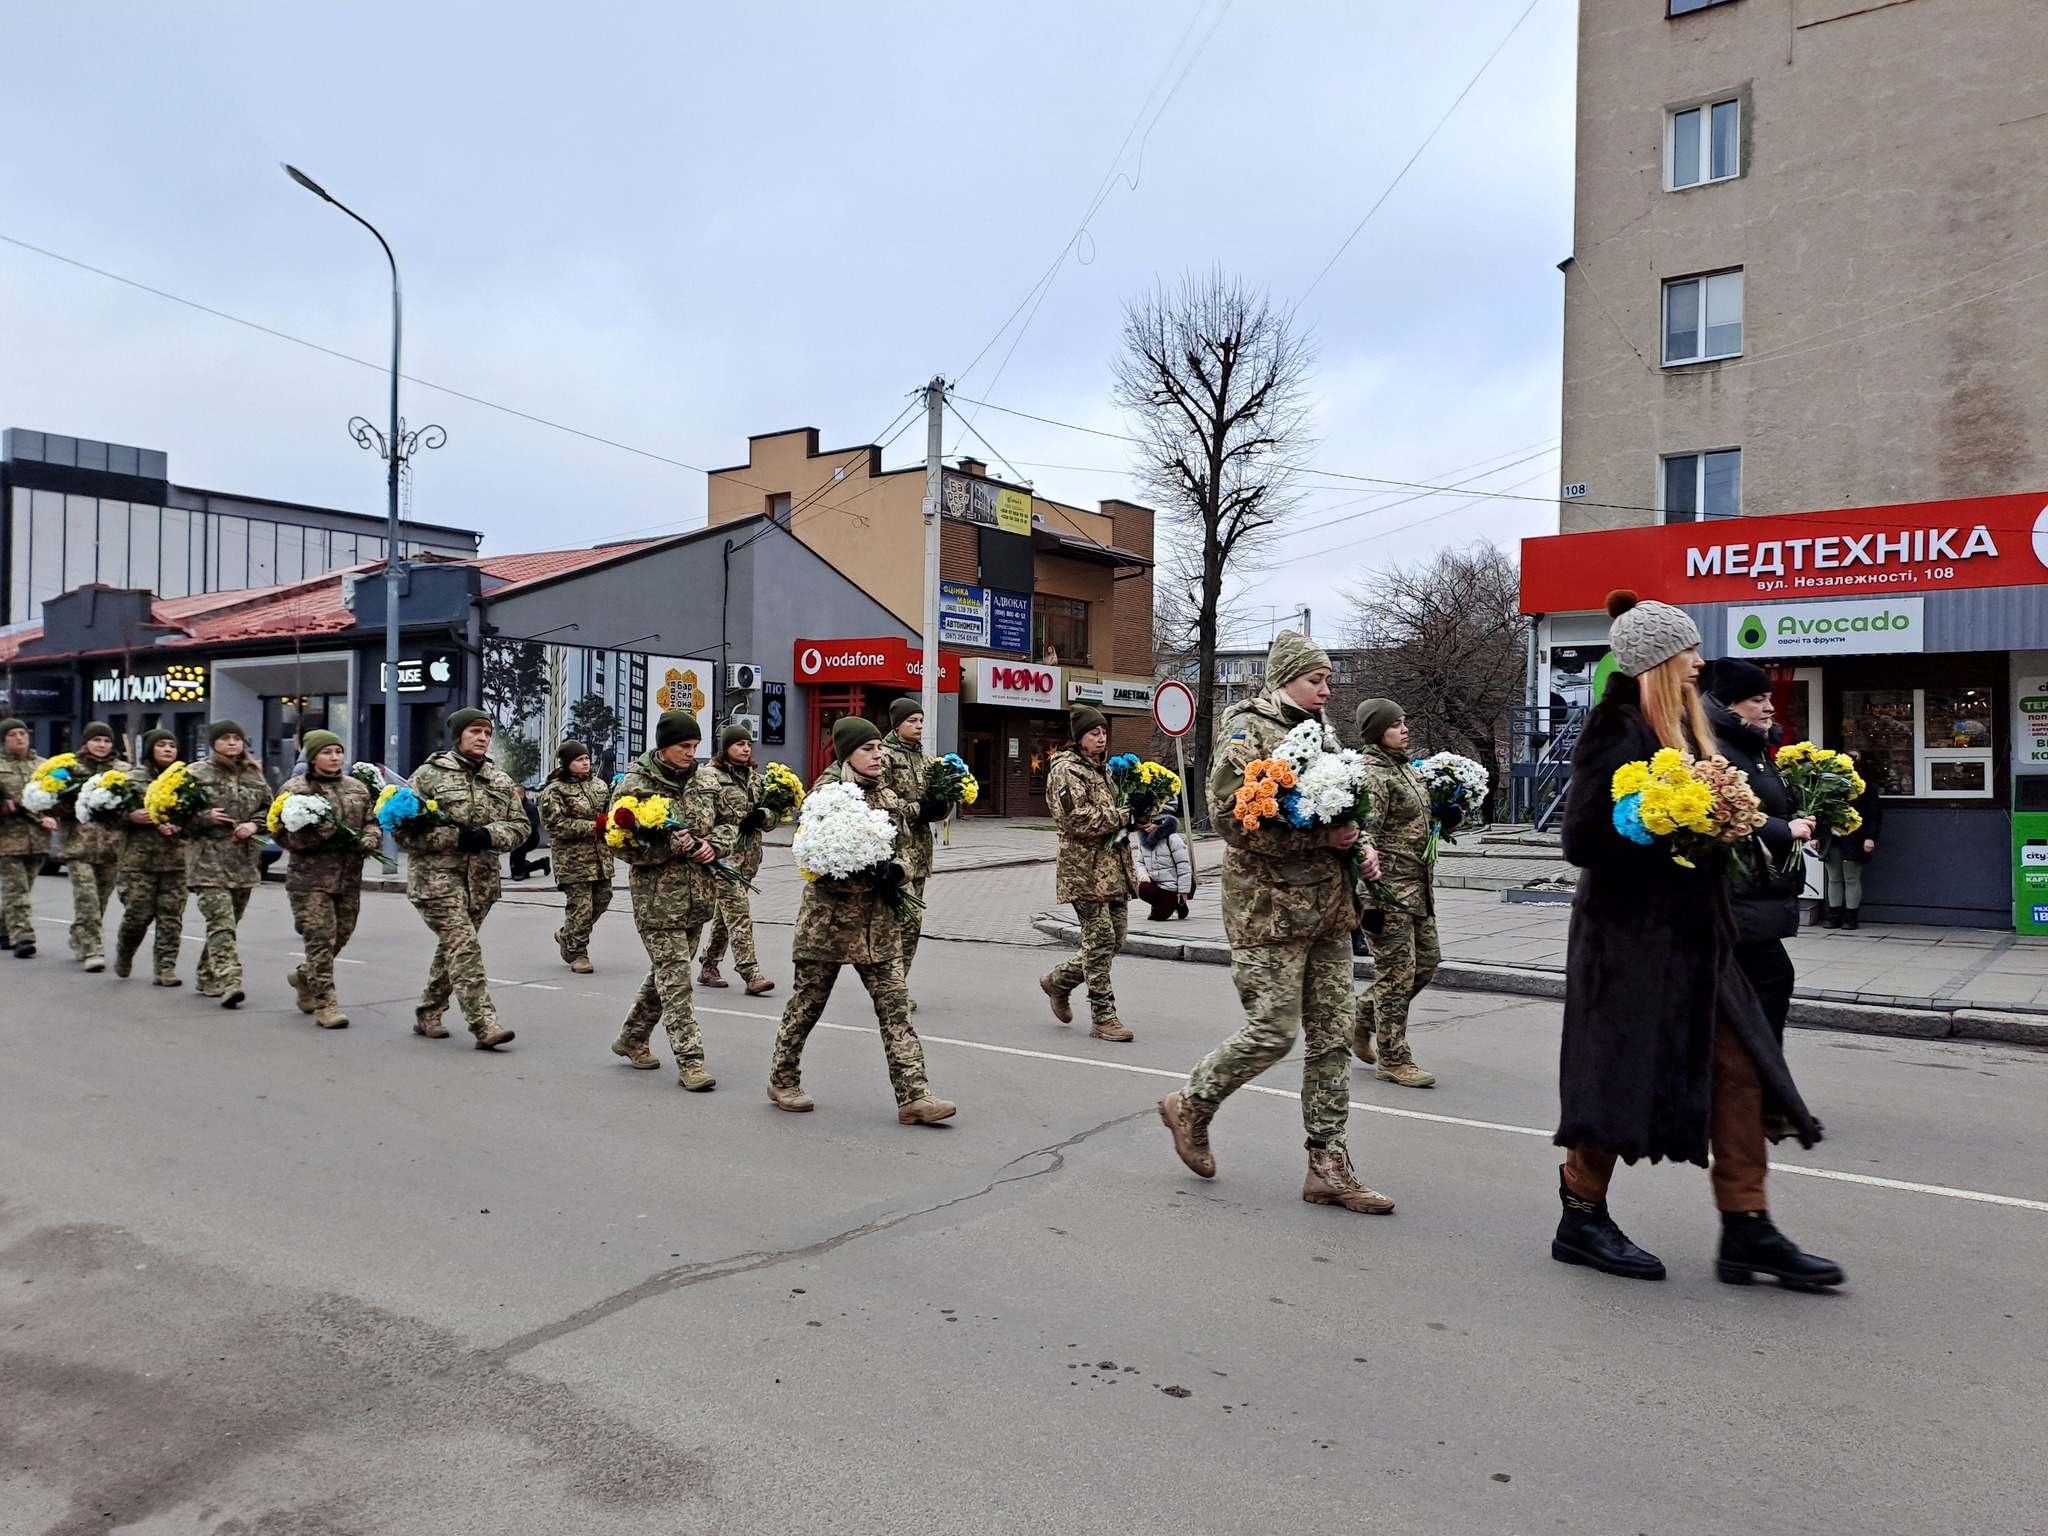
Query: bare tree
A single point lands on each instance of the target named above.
(1450, 647)
(1214, 378)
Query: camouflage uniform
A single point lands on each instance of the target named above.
(324, 883)
(453, 891)
(223, 871)
(673, 898)
(23, 847)
(1097, 879)
(904, 766)
(152, 890)
(91, 852)
(845, 922)
(739, 792)
(1404, 953)
(569, 808)
(1288, 911)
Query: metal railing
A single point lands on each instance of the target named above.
(1541, 739)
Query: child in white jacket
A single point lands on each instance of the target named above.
(1166, 874)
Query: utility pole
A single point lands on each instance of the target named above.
(934, 492)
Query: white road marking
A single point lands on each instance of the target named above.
(1982, 1197)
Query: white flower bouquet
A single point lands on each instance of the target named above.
(1457, 789)
(840, 836)
(107, 798)
(1328, 778)
(307, 813)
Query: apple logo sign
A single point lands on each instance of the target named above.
(2041, 536)
(441, 670)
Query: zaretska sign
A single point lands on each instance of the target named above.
(1934, 546)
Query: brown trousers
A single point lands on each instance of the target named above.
(1735, 1138)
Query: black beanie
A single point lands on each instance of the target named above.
(849, 733)
(569, 751)
(1082, 719)
(732, 735)
(675, 727)
(903, 709)
(1734, 680)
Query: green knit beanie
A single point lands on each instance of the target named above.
(12, 724)
(675, 727)
(315, 742)
(221, 728)
(850, 733)
(569, 751)
(1376, 717)
(95, 728)
(1292, 656)
(732, 735)
(463, 719)
(903, 709)
(149, 738)
(1082, 719)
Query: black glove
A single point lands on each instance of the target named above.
(892, 876)
(753, 821)
(1141, 808)
(474, 840)
(929, 809)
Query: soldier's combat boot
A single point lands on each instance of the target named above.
(636, 1054)
(792, 1098)
(428, 1024)
(24, 949)
(1189, 1123)
(1362, 1035)
(124, 963)
(757, 985)
(490, 1039)
(695, 1079)
(707, 976)
(169, 979)
(562, 945)
(1110, 1029)
(1587, 1235)
(1330, 1181)
(95, 963)
(1407, 1074)
(925, 1110)
(1752, 1245)
(331, 1018)
(234, 997)
(1060, 1010)
(581, 965)
(307, 1001)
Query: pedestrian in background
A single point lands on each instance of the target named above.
(904, 767)
(91, 851)
(1403, 945)
(739, 800)
(1845, 855)
(222, 863)
(522, 866)
(1666, 1053)
(1166, 874)
(1288, 910)
(324, 882)
(570, 802)
(1095, 871)
(152, 874)
(1765, 900)
(674, 895)
(23, 843)
(451, 875)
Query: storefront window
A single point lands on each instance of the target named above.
(1933, 742)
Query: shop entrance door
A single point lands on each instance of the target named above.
(979, 749)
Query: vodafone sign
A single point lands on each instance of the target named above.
(1930, 546)
(1018, 684)
(884, 659)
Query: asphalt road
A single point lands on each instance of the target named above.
(261, 1280)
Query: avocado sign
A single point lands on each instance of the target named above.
(1851, 627)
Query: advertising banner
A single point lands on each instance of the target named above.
(681, 682)
(983, 501)
(882, 659)
(1009, 621)
(2030, 722)
(1017, 684)
(963, 614)
(1857, 627)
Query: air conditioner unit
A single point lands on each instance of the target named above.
(743, 676)
(751, 722)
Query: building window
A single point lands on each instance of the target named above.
(1702, 318)
(1703, 144)
(1060, 626)
(1699, 487)
(778, 508)
(1687, 7)
(1927, 742)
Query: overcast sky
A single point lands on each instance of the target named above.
(676, 226)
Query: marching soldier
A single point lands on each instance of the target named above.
(673, 893)
(570, 803)
(739, 800)
(1288, 910)
(221, 854)
(1096, 874)
(1404, 950)
(849, 922)
(904, 767)
(91, 852)
(152, 874)
(452, 876)
(23, 843)
(325, 881)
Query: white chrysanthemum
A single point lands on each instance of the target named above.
(838, 834)
(302, 811)
(1327, 788)
(1304, 744)
(1448, 768)
(38, 799)
(97, 799)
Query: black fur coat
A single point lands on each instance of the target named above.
(1649, 969)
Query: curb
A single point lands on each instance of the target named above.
(1899, 1017)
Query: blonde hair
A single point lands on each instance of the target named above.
(1672, 706)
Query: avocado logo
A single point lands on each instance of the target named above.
(1752, 635)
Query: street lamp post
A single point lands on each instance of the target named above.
(396, 446)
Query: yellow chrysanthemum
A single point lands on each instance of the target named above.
(274, 819)
(1629, 778)
(1852, 821)
(1667, 761)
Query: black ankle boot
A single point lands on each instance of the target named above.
(1751, 1245)
(1587, 1235)
(1831, 917)
(1849, 919)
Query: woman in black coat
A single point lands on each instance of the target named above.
(1844, 855)
(1666, 1052)
(1766, 902)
